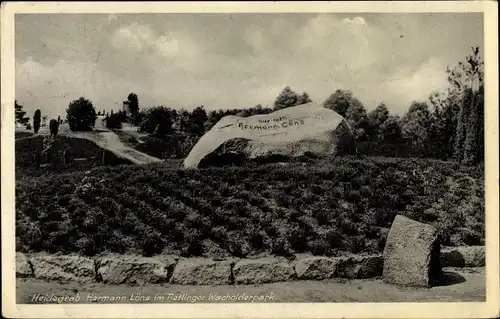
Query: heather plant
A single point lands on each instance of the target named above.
(37, 158)
(67, 157)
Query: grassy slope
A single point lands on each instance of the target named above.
(326, 209)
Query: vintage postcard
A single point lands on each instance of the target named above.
(250, 159)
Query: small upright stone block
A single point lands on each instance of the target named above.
(412, 254)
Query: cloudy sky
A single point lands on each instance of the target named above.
(235, 60)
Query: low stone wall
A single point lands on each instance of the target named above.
(138, 270)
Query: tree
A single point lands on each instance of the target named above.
(288, 98)
(214, 117)
(474, 135)
(157, 116)
(390, 130)
(341, 101)
(457, 128)
(345, 104)
(480, 125)
(372, 122)
(134, 102)
(415, 123)
(54, 127)
(114, 121)
(133, 106)
(355, 113)
(196, 123)
(303, 99)
(81, 115)
(20, 114)
(380, 114)
(37, 117)
(467, 86)
(442, 132)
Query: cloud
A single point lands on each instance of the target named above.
(52, 87)
(417, 85)
(343, 42)
(227, 61)
(112, 17)
(255, 38)
(142, 38)
(354, 21)
(126, 39)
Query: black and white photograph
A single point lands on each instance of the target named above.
(250, 158)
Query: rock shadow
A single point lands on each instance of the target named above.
(452, 259)
(449, 278)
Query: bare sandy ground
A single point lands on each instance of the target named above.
(467, 284)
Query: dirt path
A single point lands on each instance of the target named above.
(470, 287)
(109, 140)
(112, 142)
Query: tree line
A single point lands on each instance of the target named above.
(449, 126)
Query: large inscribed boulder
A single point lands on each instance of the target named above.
(307, 129)
(412, 254)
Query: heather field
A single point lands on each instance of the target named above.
(324, 208)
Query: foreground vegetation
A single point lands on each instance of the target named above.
(344, 206)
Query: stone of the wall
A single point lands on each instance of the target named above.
(359, 267)
(474, 256)
(202, 272)
(135, 269)
(23, 267)
(64, 268)
(261, 271)
(371, 266)
(412, 254)
(465, 256)
(315, 268)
